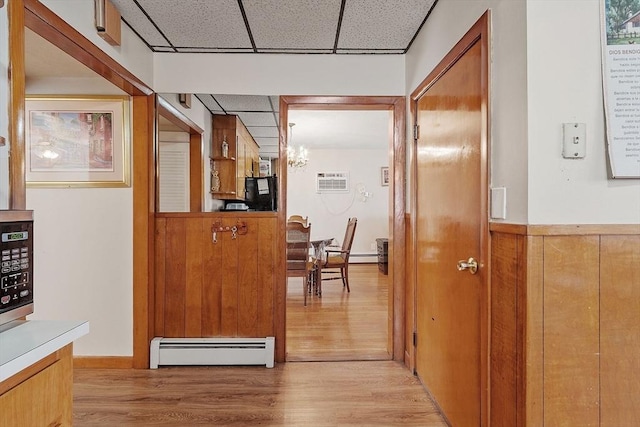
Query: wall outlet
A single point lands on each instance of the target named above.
(374, 246)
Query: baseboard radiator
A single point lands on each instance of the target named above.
(212, 351)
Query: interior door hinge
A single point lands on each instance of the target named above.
(415, 339)
(416, 132)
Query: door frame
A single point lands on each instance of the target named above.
(397, 155)
(478, 33)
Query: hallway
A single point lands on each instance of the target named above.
(291, 394)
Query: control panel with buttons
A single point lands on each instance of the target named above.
(16, 265)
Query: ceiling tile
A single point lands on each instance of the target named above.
(263, 131)
(244, 102)
(381, 24)
(275, 102)
(209, 102)
(268, 152)
(213, 50)
(264, 142)
(199, 23)
(294, 51)
(256, 119)
(369, 51)
(295, 24)
(137, 20)
(163, 49)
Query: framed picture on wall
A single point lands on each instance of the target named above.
(384, 176)
(77, 141)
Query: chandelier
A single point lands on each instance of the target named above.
(296, 158)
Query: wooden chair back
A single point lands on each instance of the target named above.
(298, 237)
(300, 219)
(339, 258)
(347, 242)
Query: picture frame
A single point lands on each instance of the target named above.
(384, 176)
(77, 141)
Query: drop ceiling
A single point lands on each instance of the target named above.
(276, 26)
(258, 27)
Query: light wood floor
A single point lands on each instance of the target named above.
(340, 325)
(371, 393)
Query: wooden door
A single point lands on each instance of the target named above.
(451, 218)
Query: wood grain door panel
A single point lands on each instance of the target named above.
(222, 288)
(451, 165)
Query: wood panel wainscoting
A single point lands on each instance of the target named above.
(209, 283)
(565, 318)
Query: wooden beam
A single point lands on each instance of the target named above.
(17, 185)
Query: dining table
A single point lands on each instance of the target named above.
(318, 246)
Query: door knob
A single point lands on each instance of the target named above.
(471, 264)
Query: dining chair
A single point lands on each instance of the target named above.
(337, 260)
(299, 263)
(299, 218)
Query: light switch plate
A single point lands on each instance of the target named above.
(499, 203)
(574, 140)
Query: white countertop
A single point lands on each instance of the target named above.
(25, 342)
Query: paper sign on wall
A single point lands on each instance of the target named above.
(620, 22)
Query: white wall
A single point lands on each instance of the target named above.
(83, 255)
(83, 263)
(328, 213)
(566, 34)
(448, 22)
(543, 73)
(246, 74)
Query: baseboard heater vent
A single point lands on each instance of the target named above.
(212, 351)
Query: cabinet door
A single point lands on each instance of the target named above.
(45, 399)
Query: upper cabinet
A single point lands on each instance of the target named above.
(234, 156)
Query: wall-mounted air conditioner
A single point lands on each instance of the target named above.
(332, 182)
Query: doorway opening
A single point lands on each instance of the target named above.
(391, 328)
(340, 180)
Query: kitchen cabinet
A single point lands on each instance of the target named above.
(36, 372)
(241, 160)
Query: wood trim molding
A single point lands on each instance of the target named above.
(103, 362)
(144, 154)
(17, 184)
(396, 104)
(175, 116)
(503, 227)
(196, 173)
(564, 229)
(582, 229)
